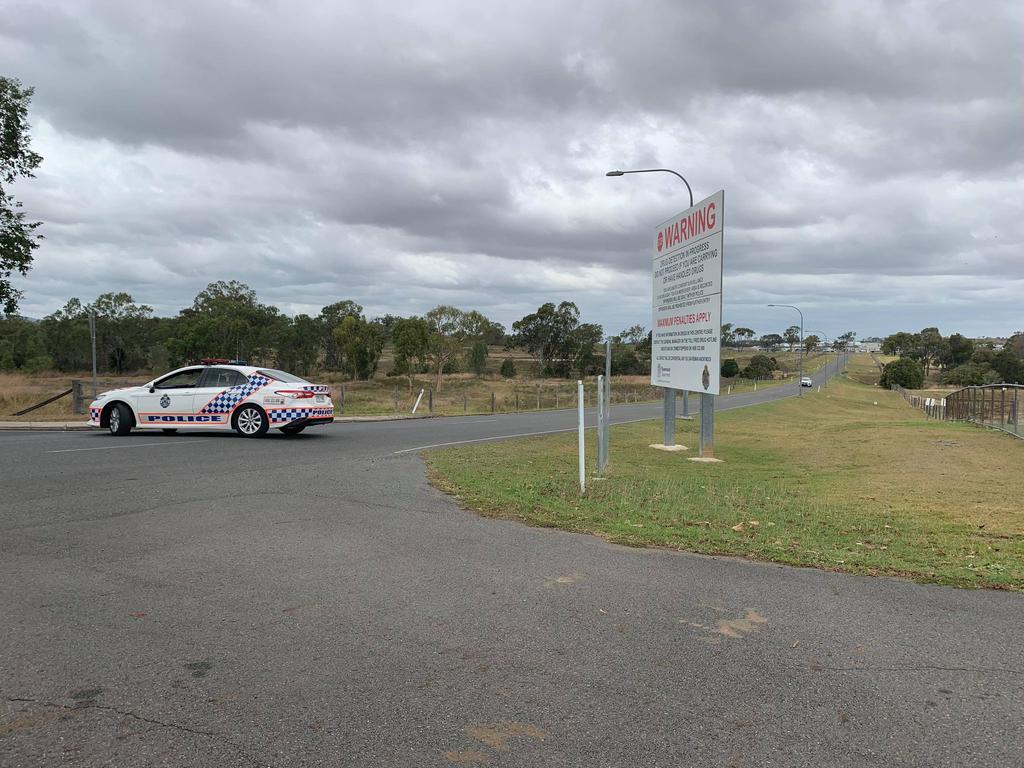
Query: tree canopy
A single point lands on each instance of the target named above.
(17, 160)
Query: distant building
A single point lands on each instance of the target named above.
(869, 346)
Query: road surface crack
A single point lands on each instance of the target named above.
(142, 718)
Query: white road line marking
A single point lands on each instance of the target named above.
(508, 437)
(137, 445)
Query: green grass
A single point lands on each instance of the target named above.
(834, 482)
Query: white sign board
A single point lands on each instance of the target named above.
(687, 298)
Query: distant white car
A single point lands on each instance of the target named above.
(216, 394)
(806, 382)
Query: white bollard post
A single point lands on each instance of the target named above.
(417, 405)
(579, 418)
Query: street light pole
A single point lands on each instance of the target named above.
(708, 401)
(800, 388)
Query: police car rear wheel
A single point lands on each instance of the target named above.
(119, 422)
(250, 421)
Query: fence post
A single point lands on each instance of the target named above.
(517, 401)
(77, 396)
(1002, 406)
(492, 401)
(396, 399)
(465, 402)
(342, 397)
(430, 401)
(538, 397)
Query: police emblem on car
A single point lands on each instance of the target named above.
(216, 394)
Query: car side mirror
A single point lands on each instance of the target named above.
(152, 389)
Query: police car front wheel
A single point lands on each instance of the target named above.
(251, 421)
(119, 421)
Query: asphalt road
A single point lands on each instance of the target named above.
(201, 599)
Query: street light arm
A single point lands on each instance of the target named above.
(657, 170)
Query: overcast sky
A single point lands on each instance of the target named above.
(410, 154)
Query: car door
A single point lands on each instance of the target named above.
(215, 382)
(169, 401)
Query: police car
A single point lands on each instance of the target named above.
(216, 394)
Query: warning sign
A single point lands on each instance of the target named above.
(687, 298)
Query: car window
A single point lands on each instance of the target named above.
(180, 380)
(222, 378)
(287, 378)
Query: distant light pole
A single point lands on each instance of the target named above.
(707, 415)
(825, 337)
(790, 306)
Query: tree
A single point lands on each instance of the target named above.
(67, 336)
(411, 338)
(297, 343)
(17, 160)
(845, 340)
(744, 333)
(727, 335)
(21, 341)
(225, 320)
(582, 341)
(771, 341)
(508, 368)
(957, 351)
(905, 372)
(1009, 367)
(730, 368)
(450, 330)
(547, 333)
(476, 360)
(635, 334)
(330, 318)
(930, 348)
(792, 336)
(900, 343)
(810, 343)
(122, 331)
(759, 367)
(360, 343)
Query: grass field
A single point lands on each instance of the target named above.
(848, 479)
(460, 393)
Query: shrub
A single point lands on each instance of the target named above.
(760, 367)
(508, 368)
(905, 372)
(730, 368)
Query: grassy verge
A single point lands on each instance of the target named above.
(849, 479)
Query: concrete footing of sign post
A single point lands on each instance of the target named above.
(705, 459)
(669, 448)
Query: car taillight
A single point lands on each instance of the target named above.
(299, 394)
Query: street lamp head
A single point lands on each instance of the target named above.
(615, 173)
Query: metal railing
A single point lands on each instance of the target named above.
(992, 405)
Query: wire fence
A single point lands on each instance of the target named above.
(992, 405)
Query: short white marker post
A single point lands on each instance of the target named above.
(417, 405)
(579, 418)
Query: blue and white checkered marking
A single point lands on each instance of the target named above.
(291, 414)
(226, 401)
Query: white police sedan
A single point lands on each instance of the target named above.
(216, 394)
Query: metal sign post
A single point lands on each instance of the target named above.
(92, 334)
(579, 425)
(602, 422)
